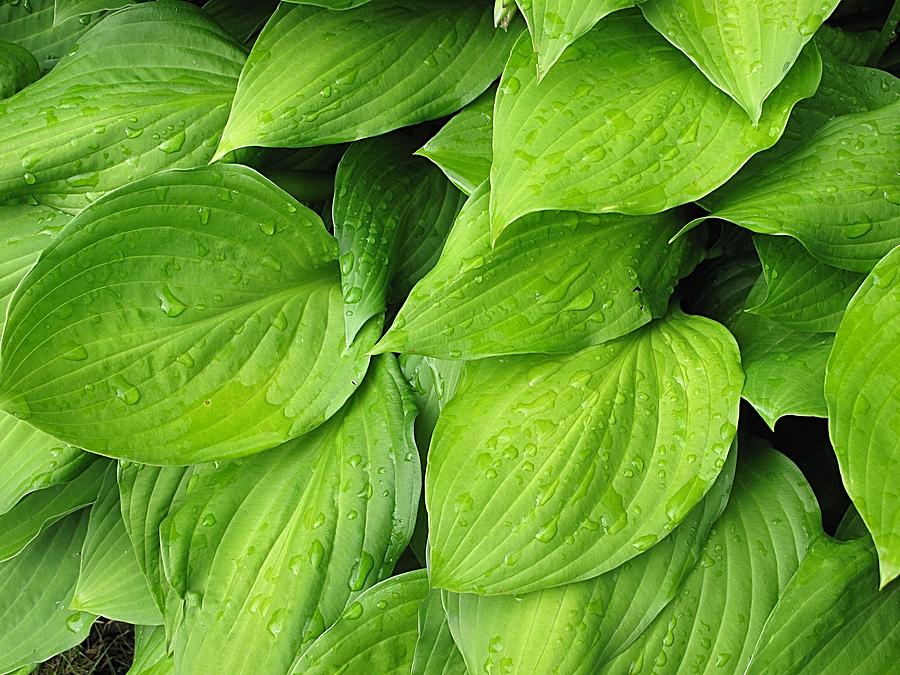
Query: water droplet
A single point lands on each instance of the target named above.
(276, 623)
(354, 611)
(267, 228)
(174, 143)
(353, 294)
(29, 178)
(125, 392)
(74, 352)
(169, 303)
(361, 571)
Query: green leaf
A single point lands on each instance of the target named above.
(266, 552)
(433, 382)
(35, 589)
(240, 18)
(846, 45)
(37, 511)
(331, 4)
(30, 25)
(18, 68)
(462, 148)
(861, 385)
(800, 291)
(435, 653)
(555, 282)
(556, 24)
(851, 525)
(386, 201)
(745, 48)
(836, 191)
(752, 552)
(70, 9)
(226, 340)
(548, 470)
(719, 287)
(623, 122)
(150, 657)
(582, 625)
(831, 617)
(136, 97)
(375, 634)
(111, 582)
(31, 460)
(316, 76)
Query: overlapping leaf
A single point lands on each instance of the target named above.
(214, 332)
(150, 657)
(436, 652)
(18, 68)
(241, 19)
(64, 10)
(548, 470)
(30, 25)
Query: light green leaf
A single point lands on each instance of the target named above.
(751, 554)
(150, 657)
(316, 76)
(227, 338)
(70, 9)
(831, 617)
(18, 68)
(623, 122)
(435, 653)
(548, 470)
(241, 18)
(836, 191)
(30, 25)
(35, 589)
(386, 201)
(266, 552)
(555, 282)
(745, 48)
(462, 148)
(433, 382)
(582, 625)
(861, 385)
(800, 291)
(111, 582)
(375, 634)
(31, 460)
(556, 24)
(37, 511)
(136, 97)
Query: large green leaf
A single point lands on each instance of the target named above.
(751, 554)
(35, 512)
(556, 24)
(387, 200)
(316, 76)
(35, 589)
(240, 18)
(849, 46)
(214, 332)
(800, 291)
(30, 24)
(31, 460)
(266, 552)
(623, 122)
(69, 9)
(111, 582)
(555, 282)
(134, 97)
(861, 386)
(462, 148)
(582, 625)
(18, 68)
(150, 657)
(331, 4)
(719, 287)
(375, 634)
(831, 617)
(548, 470)
(436, 652)
(744, 47)
(434, 382)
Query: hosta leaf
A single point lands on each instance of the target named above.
(35, 589)
(800, 291)
(462, 148)
(623, 122)
(331, 4)
(582, 625)
(836, 191)
(386, 200)
(240, 18)
(18, 68)
(150, 657)
(111, 582)
(226, 340)
(316, 77)
(720, 287)
(434, 382)
(548, 470)
(555, 282)
(31, 460)
(377, 633)
(69, 9)
(37, 511)
(752, 552)
(266, 552)
(845, 45)
(861, 385)
(30, 25)
(556, 24)
(136, 97)
(745, 48)
(851, 525)
(831, 617)
(436, 653)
